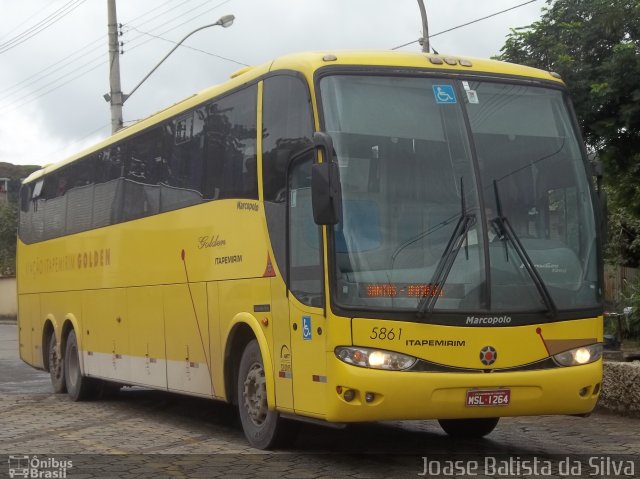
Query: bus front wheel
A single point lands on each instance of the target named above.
(261, 426)
(79, 387)
(56, 366)
(469, 428)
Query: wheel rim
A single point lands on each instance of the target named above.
(255, 394)
(73, 366)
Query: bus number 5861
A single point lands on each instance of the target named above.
(386, 333)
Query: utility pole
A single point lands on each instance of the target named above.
(424, 41)
(115, 94)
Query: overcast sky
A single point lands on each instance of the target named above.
(54, 53)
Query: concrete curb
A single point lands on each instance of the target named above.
(621, 388)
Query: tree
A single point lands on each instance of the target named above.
(8, 228)
(9, 215)
(595, 46)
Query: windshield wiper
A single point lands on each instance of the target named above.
(507, 232)
(418, 237)
(466, 221)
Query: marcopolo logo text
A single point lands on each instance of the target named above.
(246, 205)
(488, 320)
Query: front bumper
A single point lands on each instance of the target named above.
(397, 395)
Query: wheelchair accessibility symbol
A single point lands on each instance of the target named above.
(444, 94)
(306, 327)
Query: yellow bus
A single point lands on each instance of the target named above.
(336, 238)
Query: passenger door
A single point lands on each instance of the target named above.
(306, 294)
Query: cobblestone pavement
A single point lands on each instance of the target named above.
(143, 433)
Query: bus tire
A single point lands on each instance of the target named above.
(56, 366)
(261, 426)
(469, 428)
(79, 387)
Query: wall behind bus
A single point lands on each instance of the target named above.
(8, 297)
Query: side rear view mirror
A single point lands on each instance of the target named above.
(326, 193)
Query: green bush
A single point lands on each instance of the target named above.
(631, 297)
(8, 231)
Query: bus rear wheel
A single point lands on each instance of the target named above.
(79, 387)
(261, 426)
(56, 366)
(469, 428)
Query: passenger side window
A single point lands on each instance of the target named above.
(144, 169)
(206, 153)
(287, 129)
(230, 167)
(181, 183)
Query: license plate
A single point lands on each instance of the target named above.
(488, 397)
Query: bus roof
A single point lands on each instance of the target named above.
(307, 63)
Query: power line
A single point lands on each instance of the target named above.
(27, 20)
(468, 23)
(41, 26)
(191, 48)
(172, 20)
(83, 73)
(35, 77)
(63, 63)
(91, 65)
(50, 69)
(196, 17)
(97, 61)
(25, 83)
(158, 15)
(54, 87)
(48, 17)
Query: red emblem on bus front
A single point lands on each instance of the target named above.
(488, 355)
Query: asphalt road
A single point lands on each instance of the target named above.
(144, 433)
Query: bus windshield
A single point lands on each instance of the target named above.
(459, 196)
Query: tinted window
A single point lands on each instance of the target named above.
(25, 197)
(203, 154)
(230, 147)
(305, 255)
(184, 167)
(287, 129)
(144, 170)
(108, 165)
(108, 193)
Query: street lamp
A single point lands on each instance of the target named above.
(225, 21)
(424, 41)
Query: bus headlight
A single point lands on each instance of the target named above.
(374, 358)
(578, 356)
